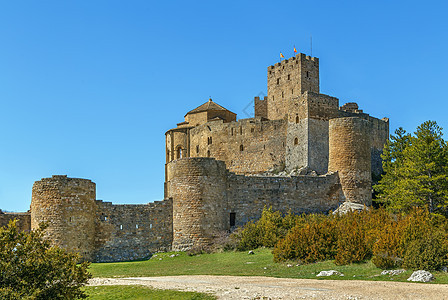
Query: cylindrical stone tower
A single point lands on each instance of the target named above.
(349, 155)
(68, 206)
(198, 189)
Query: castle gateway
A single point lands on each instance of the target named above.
(301, 152)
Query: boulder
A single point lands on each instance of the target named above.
(329, 273)
(393, 272)
(349, 206)
(421, 276)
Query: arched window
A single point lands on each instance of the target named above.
(296, 141)
(241, 130)
(179, 152)
(241, 148)
(208, 153)
(209, 140)
(297, 119)
(197, 149)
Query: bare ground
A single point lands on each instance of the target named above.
(254, 287)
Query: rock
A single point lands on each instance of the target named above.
(251, 252)
(444, 269)
(289, 266)
(349, 206)
(421, 276)
(329, 273)
(393, 272)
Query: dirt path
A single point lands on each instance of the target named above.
(235, 287)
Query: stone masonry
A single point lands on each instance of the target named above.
(301, 152)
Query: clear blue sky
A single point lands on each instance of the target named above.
(88, 88)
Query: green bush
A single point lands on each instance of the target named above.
(313, 241)
(352, 244)
(30, 268)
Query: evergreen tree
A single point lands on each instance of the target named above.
(416, 170)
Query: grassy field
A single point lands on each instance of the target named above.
(241, 264)
(138, 292)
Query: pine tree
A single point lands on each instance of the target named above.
(416, 170)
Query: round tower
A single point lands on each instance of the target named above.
(349, 155)
(198, 189)
(67, 205)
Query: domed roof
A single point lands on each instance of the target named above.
(207, 106)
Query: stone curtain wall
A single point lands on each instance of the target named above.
(23, 220)
(68, 206)
(248, 195)
(349, 155)
(130, 232)
(247, 146)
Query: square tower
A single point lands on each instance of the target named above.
(289, 79)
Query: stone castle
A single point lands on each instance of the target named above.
(301, 152)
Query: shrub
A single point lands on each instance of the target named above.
(352, 244)
(265, 232)
(313, 241)
(32, 269)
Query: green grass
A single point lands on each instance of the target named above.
(242, 264)
(139, 292)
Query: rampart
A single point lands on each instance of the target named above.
(98, 230)
(207, 198)
(23, 220)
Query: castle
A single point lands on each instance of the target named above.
(301, 152)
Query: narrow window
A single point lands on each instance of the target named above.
(136, 226)
(231, 131)
(71, 219)
(289, 77)
(232, 219)
(241, 130)
(278, 80)
(307, 74)
(197, 149)
(150, 226)
(105, 218)
(252, 130)
(209, 140)
(208, 153)
(121, 227)
(292, 91)
(283, 95)
(297, 119)
(296, 141)
(179, 152)
(241, 148)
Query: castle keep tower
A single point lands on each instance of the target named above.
(289, 79)
(68, 206)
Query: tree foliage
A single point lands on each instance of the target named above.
(416, 170)
(30, 268)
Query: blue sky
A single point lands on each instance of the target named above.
(88, 88)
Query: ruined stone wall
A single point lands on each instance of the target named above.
(130, 232)
(68, 206)
(198, 189)
(289, 79)
(248, 195)
(247, 146)
(349, 155)
(261, 107)
(23, 220)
